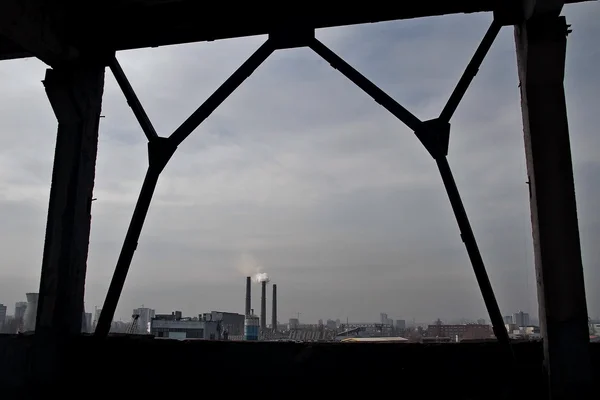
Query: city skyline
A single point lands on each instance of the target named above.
(302, 176)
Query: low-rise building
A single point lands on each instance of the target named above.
(460, 331)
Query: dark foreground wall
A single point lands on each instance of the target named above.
(171, 369)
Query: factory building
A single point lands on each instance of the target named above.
(214, 325)
(175, 327)
(232, 323)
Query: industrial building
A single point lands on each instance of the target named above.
(175, 327)
(460, 331)
(214, 325)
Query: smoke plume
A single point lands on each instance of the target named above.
(261, 277)
(249, 265)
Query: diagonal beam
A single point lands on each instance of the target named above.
(366, 85)
(223, 92)
(434, 136)
(470, 72)
(132, 99)
(160, 151)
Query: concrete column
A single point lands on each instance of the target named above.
(75, 94)
(541, 45)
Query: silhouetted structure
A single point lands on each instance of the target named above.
(79, 39)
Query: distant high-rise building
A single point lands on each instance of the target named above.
(383, 318)
(20, 307)
(97, 313)
(86, 323)
(508, 319)
(400, 324)
(2, 315)
(521, 319)
(481, 321)
(143, 323)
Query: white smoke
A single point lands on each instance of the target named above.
(249, 265)
(261, 277)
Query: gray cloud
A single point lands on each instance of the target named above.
(336, 199)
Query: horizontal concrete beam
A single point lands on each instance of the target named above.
(128, 24)
(32, 27)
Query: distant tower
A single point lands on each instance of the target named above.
(274, 311)
(248, 295)
(263, 305)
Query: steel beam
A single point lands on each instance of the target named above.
(132, 99)
(434, 136)
(223, 92)
(470, 72)
(160, 151)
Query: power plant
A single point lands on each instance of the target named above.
(251, 328)
(252, 320)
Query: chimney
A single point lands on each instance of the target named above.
(274, 312)
(248, 295)
(263, 305)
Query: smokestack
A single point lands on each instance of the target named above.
(263, 306)
(274, 312)
(248, 295)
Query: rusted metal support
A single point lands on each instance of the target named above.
(434, 135)
(160, 151)
(466, 231)
(366, 85)
(132, 99)
(470, 72)
(223, 92)
(468, 238)
(541, 49)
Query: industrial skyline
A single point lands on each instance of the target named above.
(305, 174)
(143, 315)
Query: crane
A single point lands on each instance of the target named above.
(133, 326)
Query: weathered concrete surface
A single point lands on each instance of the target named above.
(151, 368)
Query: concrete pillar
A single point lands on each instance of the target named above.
(75, 94)
(541, 45)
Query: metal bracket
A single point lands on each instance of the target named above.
(160, 151)
(435, 136)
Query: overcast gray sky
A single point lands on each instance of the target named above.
(302, 175)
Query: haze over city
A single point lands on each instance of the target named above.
(302, 176)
